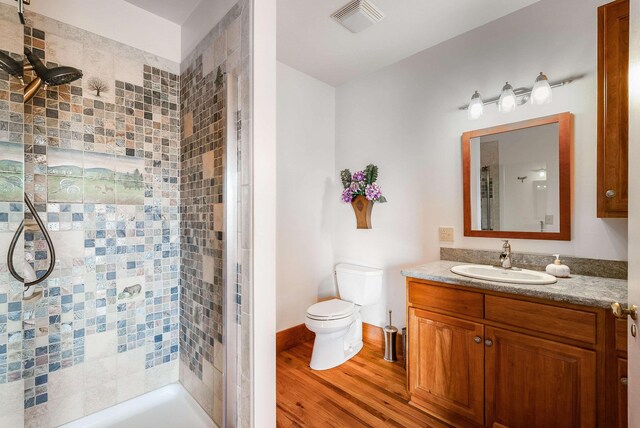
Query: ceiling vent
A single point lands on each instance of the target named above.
(358, 15)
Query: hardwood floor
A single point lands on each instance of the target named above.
(366, 391)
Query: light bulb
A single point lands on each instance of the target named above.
(507, 101)
(476, 106)
(541, 92)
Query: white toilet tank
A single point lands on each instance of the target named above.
(359, 284)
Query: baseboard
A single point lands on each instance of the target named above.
(299, 334)
(291, 337)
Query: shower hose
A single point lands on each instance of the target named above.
(14, 243)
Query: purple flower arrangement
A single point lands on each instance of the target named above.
(361, 183)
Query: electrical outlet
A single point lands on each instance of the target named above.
(548, 219)
(446, 234)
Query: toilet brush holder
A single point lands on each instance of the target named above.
(390, 337)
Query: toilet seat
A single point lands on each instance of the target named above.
(329, 310)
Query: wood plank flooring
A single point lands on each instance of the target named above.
(366, 391)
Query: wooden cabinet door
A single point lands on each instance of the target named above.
(446, 365)
(622, 393)
(533, 382)
(613, 108)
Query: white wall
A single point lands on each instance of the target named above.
(264, 213)
(404, 118)
(116, 20)
(306, 197)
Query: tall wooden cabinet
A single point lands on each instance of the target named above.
(613, 108)
(480, 358)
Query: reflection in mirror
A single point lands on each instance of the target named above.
(514, 180)
(517, 179)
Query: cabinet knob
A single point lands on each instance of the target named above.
(624, 381)
(488, 342)
(477, 339)
(610, 193)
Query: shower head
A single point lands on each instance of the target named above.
(52, 76)
(11, 66)
(47, 76)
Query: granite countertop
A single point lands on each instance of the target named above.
(578, 289)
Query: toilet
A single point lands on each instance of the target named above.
(337, 322)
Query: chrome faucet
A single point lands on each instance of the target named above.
(505, 256)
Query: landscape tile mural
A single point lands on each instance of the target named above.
(129, 192)
(11, 187)
(11, 157)
(64, 189)
(63, 162)
(129, 168)
(129, 180)
(99, 166)
(99, 191)
(11, 172)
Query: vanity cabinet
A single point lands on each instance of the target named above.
(533, 382)
(622, 399)
(483, 358)
(617, 376)
(448, 370)
(613, 108)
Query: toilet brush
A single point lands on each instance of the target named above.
(390, 335)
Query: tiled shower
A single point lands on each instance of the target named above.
(133, 187)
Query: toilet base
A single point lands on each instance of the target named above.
(332, 349)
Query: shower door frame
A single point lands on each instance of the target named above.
(229, 269)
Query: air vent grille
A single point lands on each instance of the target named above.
(358, 15)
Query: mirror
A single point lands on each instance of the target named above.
(517, 179)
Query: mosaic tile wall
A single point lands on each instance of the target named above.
(220, 64)
(103, 173)
(202, 183)
(202, 202)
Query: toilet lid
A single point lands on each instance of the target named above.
(330, 309)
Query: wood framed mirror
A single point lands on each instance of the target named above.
(517, 179)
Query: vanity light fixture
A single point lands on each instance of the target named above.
(476, 106)
(510, 98)
(541, 92)
(507, 101)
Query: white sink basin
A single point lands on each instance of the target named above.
(514, 276)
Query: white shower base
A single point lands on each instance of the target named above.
(168, 407)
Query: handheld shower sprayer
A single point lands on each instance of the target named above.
(27, 281)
